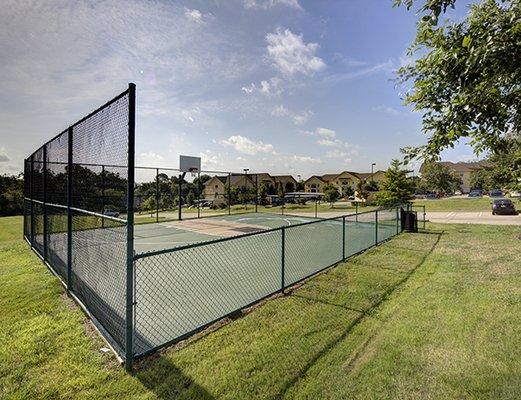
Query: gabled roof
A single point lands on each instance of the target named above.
(317, 177)
(463, 166)
(283, 178)
(330, 177)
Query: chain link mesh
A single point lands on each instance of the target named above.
(98, 176)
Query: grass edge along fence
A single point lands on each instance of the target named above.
(93, 253)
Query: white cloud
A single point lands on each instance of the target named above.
(249, 89)
(266, 87)
(3, 156)
(297, 118)
(390, 110)
(210, 160)
(324, 132)
(290, 54)
(266, 4)
(336, 154)
(194, 15)
(247, 146)
(305, 159)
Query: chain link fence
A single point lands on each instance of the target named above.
(80, 200)
(76, 211)
(182, 290)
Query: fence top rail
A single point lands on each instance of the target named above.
(80, 210)
(136, 167)
(244, 235)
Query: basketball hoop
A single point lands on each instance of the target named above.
(193, 171)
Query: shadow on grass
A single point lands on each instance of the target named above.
(363, 313)
(161, 376)
(166, 381)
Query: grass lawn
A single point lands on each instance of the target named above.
(458, 204)
(432, 315)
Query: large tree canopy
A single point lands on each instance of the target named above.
(466, 78)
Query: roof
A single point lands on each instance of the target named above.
(463, 166)
(283, 177)
(365, 175)
(317, 177)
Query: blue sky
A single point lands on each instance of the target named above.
(283, 86)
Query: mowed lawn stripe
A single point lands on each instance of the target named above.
(423, 315)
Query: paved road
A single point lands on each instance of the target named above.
(475, 217)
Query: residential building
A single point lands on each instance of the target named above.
(288, 182)
(464, 170)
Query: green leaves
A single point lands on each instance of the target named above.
(467, 80)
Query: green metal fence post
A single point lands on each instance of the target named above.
(229, 193)
(283, 260)
(32, 199)
(69, 211)
(199, 194)
(180, 197)
(343, 238)
(397, 220)
(256, 192)
(102, 196)
(45, 217)
(376, 225)
(157, 194)
(316, 207)
(356, 211)
(129, 311)
(423, 217)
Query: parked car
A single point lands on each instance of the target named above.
(503, 207)
(431, 196)
(111, 212)
(495, 193)
(476, 193)
(514, 194)
(457, 193)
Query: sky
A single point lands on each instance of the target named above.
(281, 86)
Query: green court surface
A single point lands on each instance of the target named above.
(166, 235)
(179, 291)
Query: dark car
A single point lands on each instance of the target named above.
(431, 196)
(476, 193)
(496, 193)
(503, 207)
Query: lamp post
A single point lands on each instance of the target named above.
(245, 186)
(372, 166)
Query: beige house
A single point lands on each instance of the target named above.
(314, 184)
(341, 180)
(287, 181)
(464, 170)
(215, 188)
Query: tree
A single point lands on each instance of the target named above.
(289, 187)
(331, 194)
(280, 190)
(300, 186)
(397, 188)
(372, 186)
(503, 172)
(466, 77)
(190, 198)
(263, 194)
(11, 195)
(361, 191)
(347, 191)
(439, 178)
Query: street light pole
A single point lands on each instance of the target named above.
(372, 173)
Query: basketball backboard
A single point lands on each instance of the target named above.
(189, 164)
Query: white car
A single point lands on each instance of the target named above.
(514, 194)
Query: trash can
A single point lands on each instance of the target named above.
(409, 220)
